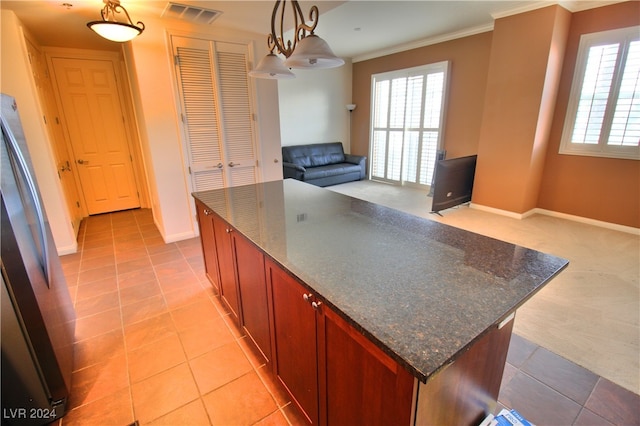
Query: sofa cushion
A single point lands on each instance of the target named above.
(331, 170)
(324, 158)
(299, 159)
(314, 155)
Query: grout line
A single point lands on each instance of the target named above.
(124, 338)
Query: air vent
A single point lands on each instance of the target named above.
(196, 15)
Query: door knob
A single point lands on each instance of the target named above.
(231, 164)
(219, 165)
(82, 162)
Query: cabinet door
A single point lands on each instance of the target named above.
(359, 383)
(253, 293)
(294, 340)
(228, 286)
(207, 238)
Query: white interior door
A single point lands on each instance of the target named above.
(95, 124)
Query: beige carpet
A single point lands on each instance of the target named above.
(590, 313)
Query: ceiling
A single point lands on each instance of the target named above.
(356, 29)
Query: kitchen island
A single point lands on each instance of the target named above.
(366, 314)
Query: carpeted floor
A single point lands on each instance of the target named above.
(590, 313)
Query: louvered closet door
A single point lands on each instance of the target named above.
(237, 122)
(216, 112)
(199, 112)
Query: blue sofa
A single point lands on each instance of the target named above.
(322, 164)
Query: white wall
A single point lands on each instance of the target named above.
(313, 106)
(149, 65)
(268, 127)
(16, 80)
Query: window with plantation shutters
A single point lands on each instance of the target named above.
(603, 115)
(407, 123)
(217, 117)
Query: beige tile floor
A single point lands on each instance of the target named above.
(590, 313)
(152, 341)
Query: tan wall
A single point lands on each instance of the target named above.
(521, 92)
(469, 59)
(598, 188)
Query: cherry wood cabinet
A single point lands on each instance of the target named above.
(235, 268)
(254, 303)
(209, 252)
(228, 286)
(359, 383)
(294, 340)
(334, 374)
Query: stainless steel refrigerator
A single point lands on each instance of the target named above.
(38, 319)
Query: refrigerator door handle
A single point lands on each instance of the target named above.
(20, 161)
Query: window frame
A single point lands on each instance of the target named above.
(424, 70)
(623, 36)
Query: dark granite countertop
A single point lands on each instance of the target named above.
(421, 290)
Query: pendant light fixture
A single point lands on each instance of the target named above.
(306, 50)
(113, 30)
(271, 66)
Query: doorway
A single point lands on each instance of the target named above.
(95, 125)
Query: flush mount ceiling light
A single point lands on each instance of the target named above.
(113, 30)
(307, 50)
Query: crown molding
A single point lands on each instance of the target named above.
(423, 42)
(571, 5)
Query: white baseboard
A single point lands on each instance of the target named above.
(500, 212)
(70, 249)
(172, 238)
(588, 221)
(580, 219)
(178, 237)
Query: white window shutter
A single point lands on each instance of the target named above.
(603, 113)
(595, 93)
(407, 123)
(625, 128)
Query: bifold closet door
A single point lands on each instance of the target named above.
(217, 118)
